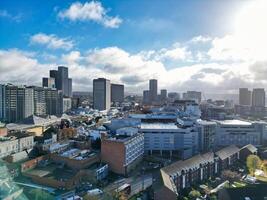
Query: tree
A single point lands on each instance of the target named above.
(194, 194)
(213, 197)
(253, 163)
(230, 176)
(38, 194)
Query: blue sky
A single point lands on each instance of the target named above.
(148, 38)
(146, 24)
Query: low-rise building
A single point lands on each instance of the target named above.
(248, 150)
(123, 152)
(227, 156)
(15, 142)
(183, 174)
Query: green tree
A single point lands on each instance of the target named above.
(194, 194)
(213, 197)
(38, 194)
(253, 163)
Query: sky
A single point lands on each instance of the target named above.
(210, 46)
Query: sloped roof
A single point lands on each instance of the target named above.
(250, 147)
(190, 163)
(227, 152)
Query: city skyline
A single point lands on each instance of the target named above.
(216, 46)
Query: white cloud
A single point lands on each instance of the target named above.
(200, 39)
(52, 41)
(132, 70)
(90, 11)
(20, 67)
(6, 14)
(248, 42)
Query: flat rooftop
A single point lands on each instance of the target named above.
(158, 126)
(234, 122)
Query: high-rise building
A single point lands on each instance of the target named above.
(117, 93)
(2, 102)
(49, 82)
(39, 101)
(101, 94)
(29, 102)
(244, 97)
(62, 80)
(52, 101)
(69, 87)
(66, 103)
(146, 97)
(163, 95)
(54, 74)
(258, 97)
(18, 103)
(153, 90)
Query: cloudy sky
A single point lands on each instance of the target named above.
(211, 46)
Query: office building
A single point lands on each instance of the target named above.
(192, 95)
(54, 74)
(244, 97)
(49, 82)
(153, 90)
(52, 101)
(258, 97)
(240, 133)
(101, 94)
(62, 80)
(122, 153)
(173, 96)
(163, 95)
(66, 104)
(166, 138)
(117, 93)
(146, 97)
(69, 87)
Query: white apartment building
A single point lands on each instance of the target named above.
(15, 144)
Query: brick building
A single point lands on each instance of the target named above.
(122, 153)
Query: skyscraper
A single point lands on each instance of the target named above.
(244, 97)
(117, 93)
(101, 94)
(62, 80)
(153, 90)
(146, 97)
(54, 74)
(49, 82)
(258, 97)
(52, 101)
